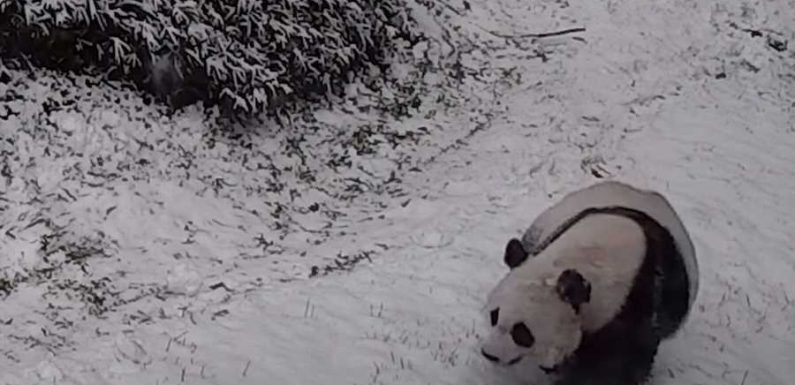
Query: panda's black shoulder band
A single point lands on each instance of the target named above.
(638, 216)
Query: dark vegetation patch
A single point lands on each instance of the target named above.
(246, 56)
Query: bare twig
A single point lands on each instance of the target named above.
(245, 370)
(450, 7)
(538, 35)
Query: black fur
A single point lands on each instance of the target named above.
(573, 288)
(675, 293)
(623, 351)
(515, 254)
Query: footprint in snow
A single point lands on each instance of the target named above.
(130, 350)
(46, 370)
(183, 279)
(432, 239)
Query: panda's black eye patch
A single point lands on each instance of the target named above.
(494, 315)
(522, 336)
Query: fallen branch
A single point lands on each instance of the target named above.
(452, 8)
(538, 35)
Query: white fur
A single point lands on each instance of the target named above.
(607, 250)
(614, 193)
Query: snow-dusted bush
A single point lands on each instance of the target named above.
(248, 55)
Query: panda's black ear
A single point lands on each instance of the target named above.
(573, 288)
(514, 253)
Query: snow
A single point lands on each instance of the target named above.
(202, 247)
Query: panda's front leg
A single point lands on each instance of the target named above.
(610, 371)
(633, 361)
(627, 361)
(607, 371)
(640, 359)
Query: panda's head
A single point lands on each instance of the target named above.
(534, 313)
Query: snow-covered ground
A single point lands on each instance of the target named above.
(137, 248)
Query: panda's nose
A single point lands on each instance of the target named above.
(489, 356)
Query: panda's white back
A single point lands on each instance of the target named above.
(606, 249)
(615, 193)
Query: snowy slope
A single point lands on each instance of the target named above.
(206, 263)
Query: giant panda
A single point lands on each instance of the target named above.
(594, 286)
